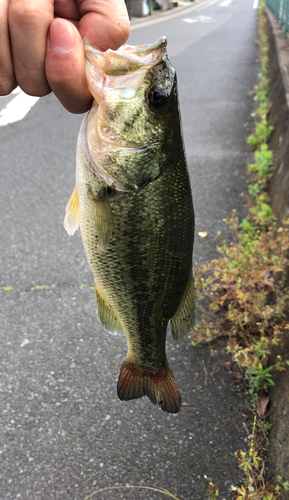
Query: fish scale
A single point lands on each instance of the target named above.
(137, 222)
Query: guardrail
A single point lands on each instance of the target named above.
(281, 10)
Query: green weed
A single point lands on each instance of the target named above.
(263, 162)
(213, 491)
(251, 463)
(262, 134)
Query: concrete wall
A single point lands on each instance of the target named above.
(279, 116)
(278, 459)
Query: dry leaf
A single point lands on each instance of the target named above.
(203, 234)
(222, 299)
(262, 403)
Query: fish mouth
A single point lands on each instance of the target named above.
(123, 68)
(127, 58)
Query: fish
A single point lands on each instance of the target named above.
(133, 203)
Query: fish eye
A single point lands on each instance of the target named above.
(158, 96)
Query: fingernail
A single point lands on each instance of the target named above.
(61, 36)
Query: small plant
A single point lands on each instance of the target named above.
(262, 134)
(263, 162)
(251, 464)
(254, 189)
(213, 491)
(258, 379)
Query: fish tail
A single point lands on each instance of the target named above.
(160, 386)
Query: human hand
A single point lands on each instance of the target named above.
(42, 53)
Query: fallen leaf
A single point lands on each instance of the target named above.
(37, 287)
(262, 403)
(203, 234)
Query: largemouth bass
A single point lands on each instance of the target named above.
(133, 203)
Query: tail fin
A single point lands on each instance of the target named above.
(160, 386)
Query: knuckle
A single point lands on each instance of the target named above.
(7, 85)
(31, 11)
(32, 81)
(125, 31)
(35, 89)
(118, 28)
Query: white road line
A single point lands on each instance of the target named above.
(225, 3)
(17, 108)
(255, 4)
(189, 20)
(198, 19)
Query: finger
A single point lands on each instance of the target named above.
(7, 80)
(28, 25)
(105, 23)
(65, 66)
(68, 9)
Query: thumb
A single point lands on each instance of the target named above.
(65, 66)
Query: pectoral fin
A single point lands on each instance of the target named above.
(184, 319)
(72, 215)
(102, 217)
(106, 315)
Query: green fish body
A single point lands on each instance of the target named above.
(133, 203)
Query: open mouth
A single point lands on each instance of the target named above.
(123, 68)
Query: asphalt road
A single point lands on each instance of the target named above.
(63, 432)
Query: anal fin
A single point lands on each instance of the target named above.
(183, 320)
(106, 315)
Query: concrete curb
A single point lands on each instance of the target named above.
(282, 48)
(279, 116)
(278, 460)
